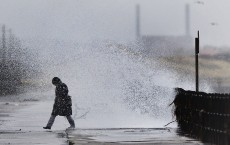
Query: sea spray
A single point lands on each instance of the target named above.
(111, 85)
(118, 89)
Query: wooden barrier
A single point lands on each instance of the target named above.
(204, 116)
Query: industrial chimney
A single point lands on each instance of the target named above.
(187, 20)
(138, 21)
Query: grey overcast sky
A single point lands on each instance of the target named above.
(84, 20)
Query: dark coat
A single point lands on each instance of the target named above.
(62, 103)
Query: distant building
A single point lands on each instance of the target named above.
(167, 45)
(154, 45)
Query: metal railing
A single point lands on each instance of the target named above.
(204, 116)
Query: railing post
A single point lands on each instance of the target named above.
(196, 61)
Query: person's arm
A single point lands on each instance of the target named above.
(69, 101)
(62, 90)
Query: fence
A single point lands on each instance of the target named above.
(204, 116)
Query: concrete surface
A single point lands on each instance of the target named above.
(22, 122)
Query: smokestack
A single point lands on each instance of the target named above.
(3, 43)
(187, 20)
(138, 21)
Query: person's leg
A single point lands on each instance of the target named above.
(71, 121)
(50, 122)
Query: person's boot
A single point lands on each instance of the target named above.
(47, 127)
(71, 127)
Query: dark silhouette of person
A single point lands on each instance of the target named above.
(62, 104)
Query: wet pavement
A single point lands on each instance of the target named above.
(22, 122)
(127, 136)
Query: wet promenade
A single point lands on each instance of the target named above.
(127, 136)
(22, 122)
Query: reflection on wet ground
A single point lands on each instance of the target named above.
(140, 136)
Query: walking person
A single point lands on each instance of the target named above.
(62, 104)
